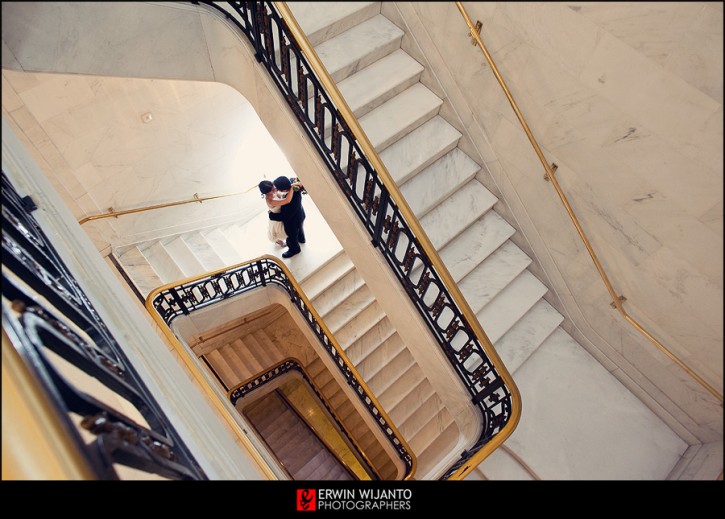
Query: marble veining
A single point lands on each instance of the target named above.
(475, 244)
(359, 46)
(419, 148)
(457, 212)
(400, 115)
(438, 181)
(378, 82)
(493, 275)
(510, 304)
(632, 443)
(517, 344)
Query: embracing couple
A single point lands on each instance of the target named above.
(284, 201)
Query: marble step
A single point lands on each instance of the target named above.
(456, 213)
(204, 252)
(236, 237)
(438, 181)
(337, 267)
(387, 373)
(184, 256)
(381, 352)
(334, 298)
(396, 391)
(472, 246)
(382, 80)
(376, 84)
(322, 21)
(400, 115)
(419, 148)
(223, 370)
(434, 442)
(529, 332)
(491, 276)
(264, 348)
(361, 348)
(163, 263)
(244, 363)
(141, 272)
(358, 47)
(340, 315)
(220, 244)
(359, 325)
(406, 407)
(510, 305)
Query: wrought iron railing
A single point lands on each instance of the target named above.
(283, 50)
(46, 314)
(284, 367)
(172, 301)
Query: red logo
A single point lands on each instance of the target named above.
(306, 500)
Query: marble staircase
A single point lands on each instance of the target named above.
(293, 443)
(402, 119)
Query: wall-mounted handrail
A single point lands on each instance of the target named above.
(195, 199)
(617, 301)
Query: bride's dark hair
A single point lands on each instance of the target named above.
(265, 186)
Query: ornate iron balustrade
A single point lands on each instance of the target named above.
(46, 313)
(172, 302)
(279, 52)
(283, 368)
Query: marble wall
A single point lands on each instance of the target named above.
(626, 98)
(125, 143)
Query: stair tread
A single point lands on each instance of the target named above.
(140, 271)
(325, 20)
(380, 355)
(419, 148)
(524, 337)
(378, 82)
(323, 277)
(400, 115)
(492, 275)
(346, 310)
(164, 265)
(358, 46)
(184, 257)
(359, 325)
(379, 382)
(472, 246)
(508, 306)
(221, 245)
(336, 294)
(358, 350)
(456, 213)
(438, 181)
(208, 258)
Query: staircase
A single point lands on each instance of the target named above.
(293, 443)
(361, 50)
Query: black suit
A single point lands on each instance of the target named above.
(292, 216)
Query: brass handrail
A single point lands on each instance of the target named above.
(425, 243)
(193, 200)
(616, 300)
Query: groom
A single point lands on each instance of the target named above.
(292, 216)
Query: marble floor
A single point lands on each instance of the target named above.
(321, 245)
